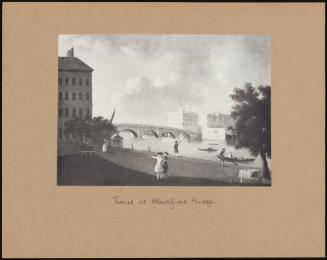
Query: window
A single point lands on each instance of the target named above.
(80, 82)
(81, 112)
(60, 95)
(60, 81)
(60, 113)
(74, 96)
(66, 112)
(80, 96)
(87, 96)
(74, 82)
(87, 82)
(88, 112)
(66, 81)
(74, 112)
(66, 95)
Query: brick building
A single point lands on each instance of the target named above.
(75, 90)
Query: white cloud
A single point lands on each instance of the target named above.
(161, 73)
(128, 52)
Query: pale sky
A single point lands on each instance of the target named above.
(144, 77)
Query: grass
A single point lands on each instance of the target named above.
(96, 171)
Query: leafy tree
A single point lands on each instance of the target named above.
(253, 121)
(87, 129)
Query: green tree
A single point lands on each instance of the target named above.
(253, 121)
(87, 129)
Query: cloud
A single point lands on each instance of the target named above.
(147, 76)
(128, 51)
(148, 103)
(161, 82)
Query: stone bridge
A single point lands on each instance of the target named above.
(158, 131)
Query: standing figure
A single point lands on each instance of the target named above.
(105, 145)
(221, 156)
(159, 165)
(165, 166)
(176, 148)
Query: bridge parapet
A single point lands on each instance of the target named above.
(158, 131)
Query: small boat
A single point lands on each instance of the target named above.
(209, 149)
(213, 144)
(238, 160)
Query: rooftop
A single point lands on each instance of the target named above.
(72, 64)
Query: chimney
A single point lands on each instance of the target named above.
(70, 53)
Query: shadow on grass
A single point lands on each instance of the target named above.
(92, 170)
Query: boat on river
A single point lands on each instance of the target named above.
(213, 144)
(209, 149)
(237, 160)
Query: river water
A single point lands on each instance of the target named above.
(188, 149)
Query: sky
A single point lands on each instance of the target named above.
(145, 77)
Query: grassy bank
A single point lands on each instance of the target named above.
(131, 168)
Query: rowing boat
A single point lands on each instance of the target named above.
(236, 159)
(208, 149)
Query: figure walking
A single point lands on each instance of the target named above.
(158, 169)
(221, 156)
(176, 148)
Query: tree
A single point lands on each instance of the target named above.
(87, 129)
(102, 128)
(253, 121)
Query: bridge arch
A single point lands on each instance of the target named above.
(150, 131)
(173, 135)
(129, 131)
(183, 134)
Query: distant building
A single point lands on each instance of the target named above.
(184, 120)
(74, 90)
(218, 120)
(216, 126)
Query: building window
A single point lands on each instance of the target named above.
(80, 82)
(74, 112)
(87, 96)
(80, 96)
(66, 95)
(60, 95)
(66, 81)
(87, 82)
(87, 112)
(60, 113)
(66, 112)
(60, 81)
(73, 81)
(81, 112)
(74, 96)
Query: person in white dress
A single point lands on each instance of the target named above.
(105, 145)
(159, 165)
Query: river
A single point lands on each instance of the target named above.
(188, 149)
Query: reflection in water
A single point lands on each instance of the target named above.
(187, 149)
